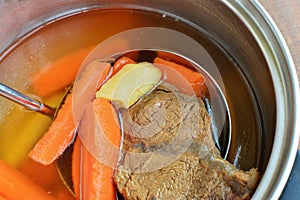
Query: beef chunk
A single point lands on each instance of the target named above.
(168, 153)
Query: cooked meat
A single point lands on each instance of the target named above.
(168, 153)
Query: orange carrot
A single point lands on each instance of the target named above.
(106, 118)
(121, 62)
(195, 79)
(96, 179)
(15, 185)
(60, 74)
(59, 136)
(76, 159)
(3, 198)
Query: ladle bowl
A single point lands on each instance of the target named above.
(214, 100)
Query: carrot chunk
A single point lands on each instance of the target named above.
(59, 136)
(195, 79)
(62, 130)
(106, 117)
(118, 65)
(96, 178)
(15, 185)
(121, 62)
(76, 163)
(60, 74)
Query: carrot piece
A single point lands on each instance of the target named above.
(61, 132)
(96, 179)
(59, 136)
(121, 62)
(76, 162)
(195, 79)
(3, 198)
(106, 117)
(15, 185)
(60, 74)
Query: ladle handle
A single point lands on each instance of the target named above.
(25, 101)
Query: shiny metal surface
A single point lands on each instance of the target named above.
(241, 28)
(25, 101)
(287, 97)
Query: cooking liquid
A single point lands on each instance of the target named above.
(37, 50)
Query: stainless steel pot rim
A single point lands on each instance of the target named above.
(273, 46)
(284, 76)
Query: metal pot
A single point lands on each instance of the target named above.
(245, 32)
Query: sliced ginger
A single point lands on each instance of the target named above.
(130, 83)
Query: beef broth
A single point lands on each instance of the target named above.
(189, 167)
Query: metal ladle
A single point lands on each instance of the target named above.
(221, 137)
(26, 101)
